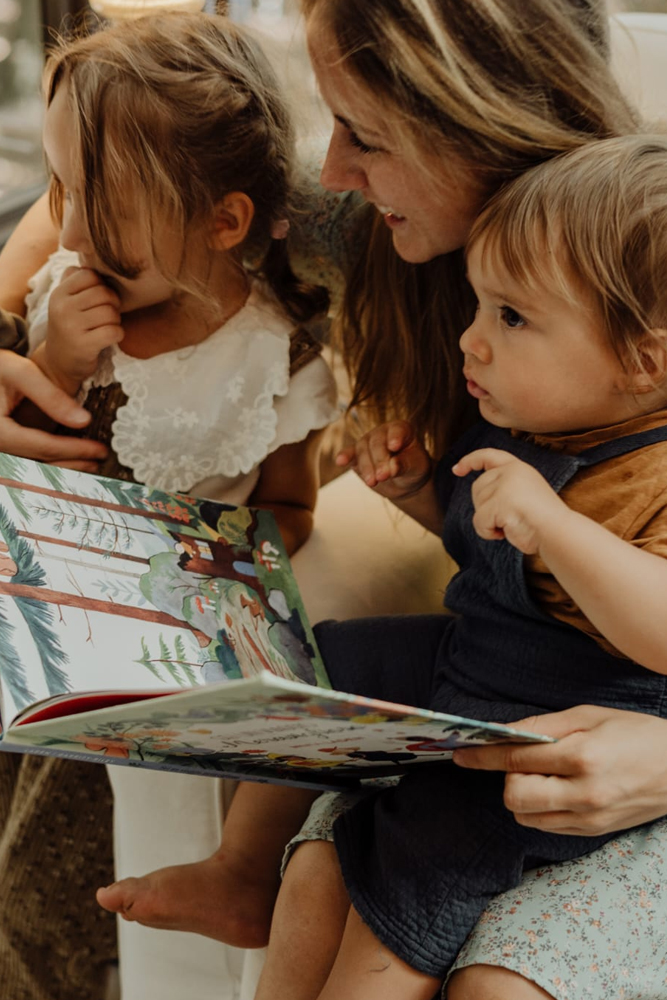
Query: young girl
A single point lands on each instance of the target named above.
(561, 539)
(170, 151)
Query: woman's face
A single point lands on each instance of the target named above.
(428, 205)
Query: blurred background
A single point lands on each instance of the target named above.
(26, 26)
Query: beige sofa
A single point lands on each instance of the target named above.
(362, 559)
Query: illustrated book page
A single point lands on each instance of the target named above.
(161, 631)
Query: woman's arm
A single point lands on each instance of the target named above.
(608, 770)
(287, 485)
(29, 246)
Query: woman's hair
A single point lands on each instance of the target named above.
(180, 110)
(591, 225)
(504, 85)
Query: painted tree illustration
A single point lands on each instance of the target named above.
(12, 668)
(103, 524)
(173, 663)
(28, 580)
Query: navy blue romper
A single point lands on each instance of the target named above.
(421, 859)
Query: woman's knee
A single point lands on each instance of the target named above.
(491, 982)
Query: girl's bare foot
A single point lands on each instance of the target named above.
(221, 897)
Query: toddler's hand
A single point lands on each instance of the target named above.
(84, 318)
(390, 460)
(512, 500)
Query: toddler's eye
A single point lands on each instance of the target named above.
(511, 317)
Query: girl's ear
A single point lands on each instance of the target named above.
(653, 373)
(232, 220)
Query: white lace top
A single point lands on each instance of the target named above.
(201, 419)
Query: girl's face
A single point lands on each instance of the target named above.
(150, 287)
(429, 207)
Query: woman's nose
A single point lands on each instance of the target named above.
(342, 170)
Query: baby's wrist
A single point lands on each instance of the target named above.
(552, 530)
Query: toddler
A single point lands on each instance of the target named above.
(170, 151)
(555, 509)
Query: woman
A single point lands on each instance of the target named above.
(479, 92)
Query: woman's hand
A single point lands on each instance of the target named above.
(390, 460)
(608, 770)
(396, 465)
(20, 379)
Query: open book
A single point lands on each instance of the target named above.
(156, 630)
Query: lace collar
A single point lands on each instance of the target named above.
(207, 409)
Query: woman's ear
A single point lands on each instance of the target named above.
(653, 371)
(232, 220)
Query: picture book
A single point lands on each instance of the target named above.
(157, 630)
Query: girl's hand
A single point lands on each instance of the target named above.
(608, 770)
(390, 460)
(84, 319)
(512, 500)
(20, 379)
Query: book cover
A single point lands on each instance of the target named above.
(158, 630)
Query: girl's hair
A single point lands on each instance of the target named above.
(504, 84)
(179, 110)
(591, 224)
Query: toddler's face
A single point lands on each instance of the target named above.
(536, 361)
(149, 287)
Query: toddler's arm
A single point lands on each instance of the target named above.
(619, 587)
(84, 318)
(396, 465)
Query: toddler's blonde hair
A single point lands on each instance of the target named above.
(592, 225)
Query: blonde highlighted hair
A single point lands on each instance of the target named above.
(591, 225)
(505, 85)
(178, 110)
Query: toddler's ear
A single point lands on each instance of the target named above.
(653, 372)
(232, 220)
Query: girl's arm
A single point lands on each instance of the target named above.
(621, 588)
(288, 483)
(29, 246)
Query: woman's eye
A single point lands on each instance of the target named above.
(511, 317)
(360, 144)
